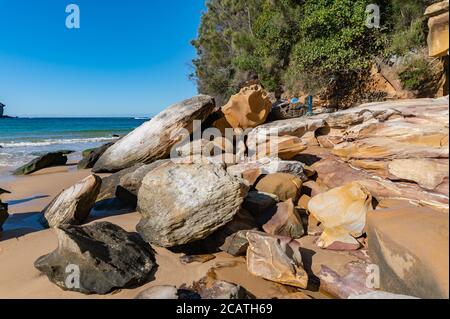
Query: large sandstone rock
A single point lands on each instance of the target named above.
(247, 109)
(284, 147)
(285, 222)
(438, 29)
(111, 182)
(89, 160)
(276, 258)
(187, 202)
(73, 205)
(44, 161)
(411, 247)
(154, 139)
(342, 212)
(103, 256)
(284, 186)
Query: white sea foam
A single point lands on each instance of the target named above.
(48, 142)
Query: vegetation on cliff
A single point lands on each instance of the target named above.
(300, 45)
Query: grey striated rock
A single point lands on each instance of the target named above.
(73, 205)
(106, 256)
(44, 161)
(183, 203)
(154, 139)
(89, 160)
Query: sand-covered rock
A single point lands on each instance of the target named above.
(276, 258)
(247, 109)
(97, 259)
(342, 212)
(44, 161)
(154, 139)
(285, 222)
(411, 247)
(187, 202)
(284, 186)
(73, 205)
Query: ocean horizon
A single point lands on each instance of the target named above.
(24, 138)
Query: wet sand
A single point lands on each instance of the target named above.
(24, 240)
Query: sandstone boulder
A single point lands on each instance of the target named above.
(342, 212)
(247, 109)
(73, 205)
(285, 222)
(284, 147)
(111, 182)
(284, 186)
(438, 28)
(44, 161)
(276, 258)
(97, 258)
(154, 139)
(182, 203)
(411, 247)
(91, 157)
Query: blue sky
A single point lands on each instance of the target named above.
(128, 58)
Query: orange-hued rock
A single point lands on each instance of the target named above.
(304, 201)
(247, 109)
(276, 258)
(284, 186)
(411, 246)
(285, 147)
(342, 212)
(438, 29)
(285, 222)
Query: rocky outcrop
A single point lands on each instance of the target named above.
(97, 259)
(182, 203)
(284, 147)
(411, 247)
(438, 28)
(44, 161)
(247, 109)
(73, 205)
(276, 258)
(89, 160)
(342, 212)
(154, 139)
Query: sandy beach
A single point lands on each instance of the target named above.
(23, 241)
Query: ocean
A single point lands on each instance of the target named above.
(22, 139)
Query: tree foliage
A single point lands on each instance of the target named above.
(293, 44)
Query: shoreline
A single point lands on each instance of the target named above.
(24, 240)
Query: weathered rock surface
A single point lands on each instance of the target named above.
(44, 161)
(411, 247)
(285, 222)
(247, 109)
(106, 256)
(438, 29)
(154, 139)
(210, 288)
(167, 293)
(236, 244)
(342, 212)
(110, 183)
(284, 147)
(276, 258)
(73, 205)
(284, 186)
(91, 157)
(182, 203)
(270, 166)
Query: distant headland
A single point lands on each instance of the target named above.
(2, 109)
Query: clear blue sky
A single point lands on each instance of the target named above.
(128, 58)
